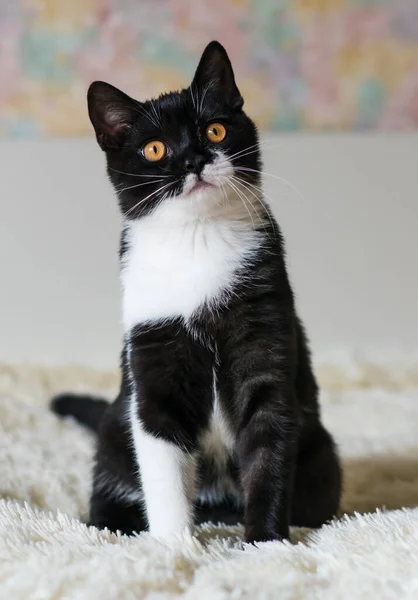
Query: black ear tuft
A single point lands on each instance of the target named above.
(111, 113)
(215, 69)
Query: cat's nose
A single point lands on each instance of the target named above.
(194, 164)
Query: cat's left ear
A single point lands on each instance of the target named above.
(111, 112)
(215, 70)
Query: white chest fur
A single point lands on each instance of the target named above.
(178, 260)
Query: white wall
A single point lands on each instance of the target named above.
(352, 244)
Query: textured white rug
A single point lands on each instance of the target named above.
(47, 553)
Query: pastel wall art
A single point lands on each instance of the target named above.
(321, 65)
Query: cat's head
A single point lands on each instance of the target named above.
(195, 144)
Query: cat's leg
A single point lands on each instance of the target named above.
(223, 511)
(167, 474)
(256, 378)
(266, 449)
(219, 497)
(318, 478)
(116, 502)
(317, 488)
(171, 400)
(116, 513)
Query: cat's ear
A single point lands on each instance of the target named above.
(215, 70)
(111, 113)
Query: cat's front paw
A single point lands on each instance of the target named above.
(254, 535)
(172, 535)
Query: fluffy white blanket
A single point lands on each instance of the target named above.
(46, 552)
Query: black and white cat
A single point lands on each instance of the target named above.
(218, 408)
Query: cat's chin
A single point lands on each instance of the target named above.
(200, 186)
(202, 193)
(205, 197)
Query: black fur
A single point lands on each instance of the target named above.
(87, 410)
(284, 469)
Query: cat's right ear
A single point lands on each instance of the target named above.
(111, 113)
(215, 72)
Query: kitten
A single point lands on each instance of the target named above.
(218, 408)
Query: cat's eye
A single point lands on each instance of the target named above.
(215, 132)
(154, 150)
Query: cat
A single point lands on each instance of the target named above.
(218, 413)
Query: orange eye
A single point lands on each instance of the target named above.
(215, 132)
(154, 150)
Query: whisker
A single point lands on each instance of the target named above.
(253, 152)
(239, 182)
(222, 188)
(130, 187)
(210, 84)
(155, 112)
(256, 145)
(135, 174)
(246, 199)
(191, 93)
(197, 100)
(244, 150)
(160, 189)
(259, 197)
(167, 170)
(155, 121)
(237, 191)
(167, 195)
(143, 111)
(294, 188)
(330, 218)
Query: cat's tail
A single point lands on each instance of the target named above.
(87, 410)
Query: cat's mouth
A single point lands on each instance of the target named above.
(198, 185)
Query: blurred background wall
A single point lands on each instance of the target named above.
(333, 85)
